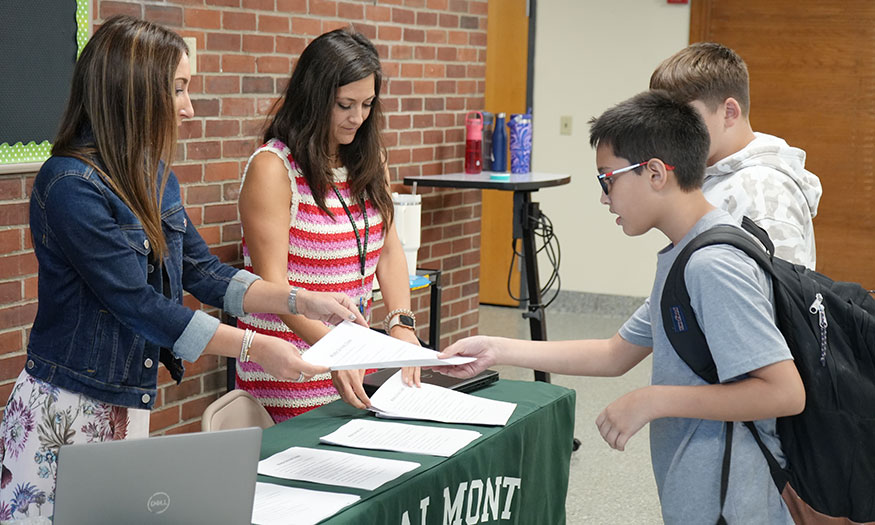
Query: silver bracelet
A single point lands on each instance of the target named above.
(293, 301)
(393, 313)
(248, 337)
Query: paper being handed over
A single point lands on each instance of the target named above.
(349, 346)
(396, 400)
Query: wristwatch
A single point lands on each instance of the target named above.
(404, 320)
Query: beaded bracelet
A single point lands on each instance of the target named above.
(248, 336)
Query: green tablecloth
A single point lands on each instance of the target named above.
(512, 474)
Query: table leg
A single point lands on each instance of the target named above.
(526, 215)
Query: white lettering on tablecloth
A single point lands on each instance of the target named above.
(474, 501)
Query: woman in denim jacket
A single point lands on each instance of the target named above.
(116, 249)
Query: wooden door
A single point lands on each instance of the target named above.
(812, 71)
(506, 61)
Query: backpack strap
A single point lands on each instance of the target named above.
(678, 318)
(687, 338)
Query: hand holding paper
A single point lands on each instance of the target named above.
(349, 347)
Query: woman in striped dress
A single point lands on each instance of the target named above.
(316, 212)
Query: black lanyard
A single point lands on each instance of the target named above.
(362, 253)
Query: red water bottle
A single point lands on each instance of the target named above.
(473, 140)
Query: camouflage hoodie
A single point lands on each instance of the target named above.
(768, 182)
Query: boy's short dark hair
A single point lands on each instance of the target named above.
(650, 125)
(705, 71)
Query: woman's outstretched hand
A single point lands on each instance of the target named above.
(330, 307)
(481, 347)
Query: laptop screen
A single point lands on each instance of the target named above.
(189, 478)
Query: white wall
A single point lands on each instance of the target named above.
(590, 55)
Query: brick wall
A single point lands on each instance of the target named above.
(434, 56)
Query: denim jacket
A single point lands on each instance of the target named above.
(103, 314)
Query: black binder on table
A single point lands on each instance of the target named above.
(373, 381)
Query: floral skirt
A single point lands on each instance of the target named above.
(39, 418)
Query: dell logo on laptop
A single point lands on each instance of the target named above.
(158, 503)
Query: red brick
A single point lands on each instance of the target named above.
(257, 44)
(403, 16)
(10, 240)
(257, 85)
(290, 45)
(203, 194)
(390, 33)
(273, 64)
(195, 408)
(424, 18)
(378, 13)
(208, 63)
(10, 342)
(350, 11)
(223, 42)
(188, 173)
(17, 265)
(323, 8)
(306, 26)
(477, 39)
(238, 64)
(161, 419)
(411, 104)
(448, 20)
(30, 288)
(239, 148)
(10, 367)
(231, 233)
(260, 5)
(12, 214)
(222, 84)
(108, 9)
(227, 254)
(273, 24)
(220, 171)
(238, 21)
(226, 3)
(10, 292)
(191, 129)
(238, 107)
(165, 15)
(202, 150)
(220, 213)
(457, 38)
(222, 128)
(20, 315)
(11, 189)
(291, 6)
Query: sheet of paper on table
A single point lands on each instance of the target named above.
(349, 346)
(333, 468)
(396, 400)
(401, 437)
(274, 504)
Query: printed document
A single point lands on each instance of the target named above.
(333, 468)
(349, 346)
(274, 504)
(396, 400)
(401, 437)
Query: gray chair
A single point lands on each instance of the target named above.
(236, 409)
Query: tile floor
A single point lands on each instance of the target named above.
(605, 486)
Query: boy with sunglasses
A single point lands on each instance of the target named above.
(749, 174)
(651, 152)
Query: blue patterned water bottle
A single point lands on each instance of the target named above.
(520, 126)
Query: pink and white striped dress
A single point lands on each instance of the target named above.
(323, 256)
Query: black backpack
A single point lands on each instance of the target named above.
(830, 329)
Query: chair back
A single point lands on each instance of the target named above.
(236, 409)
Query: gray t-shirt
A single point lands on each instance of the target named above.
(732, 299)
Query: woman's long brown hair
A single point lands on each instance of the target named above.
(303, 119)
(120, 117)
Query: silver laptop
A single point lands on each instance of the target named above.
(206, 477)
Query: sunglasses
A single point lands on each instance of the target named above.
(605, 181)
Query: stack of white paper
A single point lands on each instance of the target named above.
(333, 468)
(276, 504)
(349, 346)
(400, 437)
(396, 400)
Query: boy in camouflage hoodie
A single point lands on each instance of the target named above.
(748, 173)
